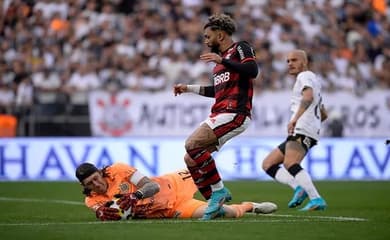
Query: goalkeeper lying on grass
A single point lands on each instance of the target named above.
(166, 196)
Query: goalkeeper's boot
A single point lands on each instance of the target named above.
(299, 196)
(216, 201)
(315, 204)
(221, 213)
(264, 207)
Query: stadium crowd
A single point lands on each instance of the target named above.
(54, 52)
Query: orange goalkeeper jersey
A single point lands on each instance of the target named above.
(175, 188)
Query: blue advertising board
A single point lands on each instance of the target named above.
(55, 159)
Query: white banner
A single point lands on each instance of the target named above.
(162, 114)
(241, 158)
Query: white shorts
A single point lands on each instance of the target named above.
(227, 125)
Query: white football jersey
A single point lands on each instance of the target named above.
(309, 123)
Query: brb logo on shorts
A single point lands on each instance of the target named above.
(221, 78)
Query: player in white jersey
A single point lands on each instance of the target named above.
(303, 133)
(309, 123)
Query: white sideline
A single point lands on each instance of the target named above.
(171, 221)
(9, 199)
(265, 218)
(336, 218)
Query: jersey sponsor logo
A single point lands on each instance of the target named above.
(221, 78)
(241, 52)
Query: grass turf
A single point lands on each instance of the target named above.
(54, 210)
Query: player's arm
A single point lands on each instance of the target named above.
(323, 112)
(207, 91)
(247, 65)
(307, 99)
(145, 186)
(248, 68)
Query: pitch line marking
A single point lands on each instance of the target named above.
(299, 218)
(10, 199)
(339, 218)
(175, 221)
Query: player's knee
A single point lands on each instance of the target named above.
(270, 161)
(266, 165)
(189, 145)
(271, 170)
(293, 169)
(189, 161)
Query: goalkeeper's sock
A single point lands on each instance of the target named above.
(241, 209)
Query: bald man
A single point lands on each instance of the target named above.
(303, 133)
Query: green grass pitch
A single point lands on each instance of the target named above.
(54, 210)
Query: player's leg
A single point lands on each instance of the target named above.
(238, 210)
(199, 161)
(296, 149)
(211, 135)
(262, 207)
(271, 165)
(204, 170)
(185, 205)
(225, 126)
(192, 208)
(228, 211)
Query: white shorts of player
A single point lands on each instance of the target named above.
(223, 118)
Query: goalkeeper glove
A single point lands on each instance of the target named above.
(105, 213)
(128, 200)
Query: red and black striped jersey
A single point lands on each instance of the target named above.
(233, 90)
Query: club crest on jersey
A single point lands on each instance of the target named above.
(124, 187)
(307, 142)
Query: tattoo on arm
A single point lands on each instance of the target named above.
(324, 113)
(148, 187)
(307, 97)
(306, 103)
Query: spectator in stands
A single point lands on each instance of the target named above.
(7, 98)
(79, 85)
(47, 84)
(61, 33)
